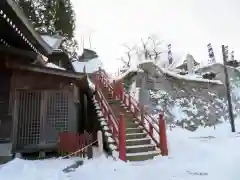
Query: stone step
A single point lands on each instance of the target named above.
(134, 142)
(113, 101)
(143, 156)
(136, 135)
(132, 124)
(138, 144)
(134, 130)
(128, 117)
(140, 148)
(132, 120)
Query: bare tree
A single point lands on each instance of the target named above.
(145, 48)
(128, 52)
(126, 64)
(123, 61)
(155, 51)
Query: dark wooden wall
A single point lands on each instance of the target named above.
(39, 81)
(5, 116)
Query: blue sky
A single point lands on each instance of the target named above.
(188, 24)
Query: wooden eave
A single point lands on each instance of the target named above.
(45, 70)
(14, 12)
(79, 79)
(18, 52)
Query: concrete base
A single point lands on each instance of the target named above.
(42, 155)
(144, 97)
(5, 152)
(18, 155)
(5, 159)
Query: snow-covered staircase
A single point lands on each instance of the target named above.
(138, 144)
(132, 132)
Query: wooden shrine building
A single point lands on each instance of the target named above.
(36, 102)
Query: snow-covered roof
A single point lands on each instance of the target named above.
(192, 77)
(91, 66)
(164, 62)
(215, 67)
(178, 62)
(53, 41)
(129, 72)
(150, 66)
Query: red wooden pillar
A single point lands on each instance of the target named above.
(121, 90)
(163, 135)
(114, 90)
(122, 138)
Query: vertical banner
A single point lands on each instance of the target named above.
(170, 58)
(232, 56)
(226, 52)
(211, 54)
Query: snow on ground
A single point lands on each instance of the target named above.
(19, 169)
(205, 154)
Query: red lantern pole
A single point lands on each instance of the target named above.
(163, 135)
(122, 138)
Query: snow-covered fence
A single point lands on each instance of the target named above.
(74, 144)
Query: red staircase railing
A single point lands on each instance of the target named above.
(155, 128)
(116, 126)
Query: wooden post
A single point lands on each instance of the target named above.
(228, 89)
(163, 135)
(122, 138)
(100, 142)
(129, 102)
(151, 129)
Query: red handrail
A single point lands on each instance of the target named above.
(135, 108)
(116, 127)
(109, 115)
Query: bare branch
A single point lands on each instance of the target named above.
(122, 59)
(145, 49)
(156, 44)
(129, 54)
